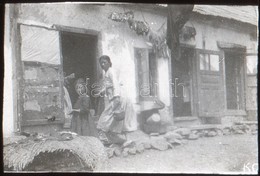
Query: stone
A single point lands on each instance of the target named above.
(125, 153)
(117, 152)
(172, 135)
(110, 152)
(219, 132)
(205, 132)
(226, 131)
(170, 146)
(140, 148)
(195, 131)
(183, 131)
(212, 133)
(132, 151)
(175, 141)
(239, 129)
(128, 143)
(239, 132)
(248, 131)
(201, 134)
(159, 144)
(253, 127)
(147, 145)
(246, 127)
(193, 136)
(254, 132)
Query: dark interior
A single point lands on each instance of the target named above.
(180, 81)
(79, 57)
(233, 80)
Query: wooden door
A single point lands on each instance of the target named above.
(41, 84)
(211, 101)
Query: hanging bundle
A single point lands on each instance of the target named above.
(121, 17)
(140, 27)
(157, 38)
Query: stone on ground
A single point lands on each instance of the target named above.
(226, 131)
(132, 151)
(125, 153)
(175, 141)
(159, 144)
(147, 145)
(212, 133)
(117, 151)
(219, 132)
(110, 152)
(140, 148)
(172, 135)
(183, 131)
(193, 136)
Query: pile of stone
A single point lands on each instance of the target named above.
(249, 127)
(177, 136)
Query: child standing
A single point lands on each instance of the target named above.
(82, 121)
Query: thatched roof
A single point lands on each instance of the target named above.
(246, 14)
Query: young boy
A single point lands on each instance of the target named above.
(82, 122)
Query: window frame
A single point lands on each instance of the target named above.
(209, 66)
(153, 92)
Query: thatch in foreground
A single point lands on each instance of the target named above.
(88, 149)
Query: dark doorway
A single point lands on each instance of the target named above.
(181, 78)
(234, 70)
(79, 57)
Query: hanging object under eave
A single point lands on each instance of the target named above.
(177, 16)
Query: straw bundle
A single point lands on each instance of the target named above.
(87, 149)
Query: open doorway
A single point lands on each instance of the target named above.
(234, 80)
(79, 57)
(181, 77)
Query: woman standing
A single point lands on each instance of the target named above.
(110, 128)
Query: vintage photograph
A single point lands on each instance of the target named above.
(130, 88)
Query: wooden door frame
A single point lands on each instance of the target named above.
(241, 111)
(194, 82)
(75, 30)
(197, 70)
(20, 80)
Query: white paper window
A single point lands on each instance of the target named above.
(251, 63)
(40, 45)
(204, 62)
(209, 62)
(214, 62)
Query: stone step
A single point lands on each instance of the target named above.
(246, 122)
(207, 127)
(186, 121)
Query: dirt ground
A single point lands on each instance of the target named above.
(220, 154)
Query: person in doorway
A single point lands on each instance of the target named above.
(111, 128)
(82, 121)
(67, 100)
